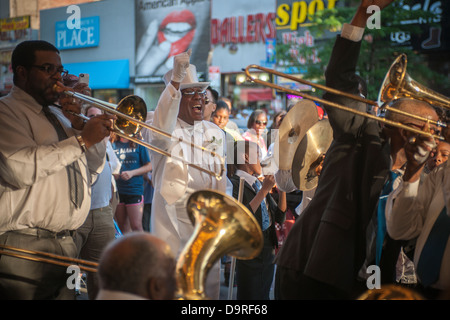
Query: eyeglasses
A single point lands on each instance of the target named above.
(192, 93)
(261, 122)
(51, 69)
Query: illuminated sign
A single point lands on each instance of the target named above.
(292, 16)
(86, 35)
(243, 29)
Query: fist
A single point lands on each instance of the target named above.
(181, 63)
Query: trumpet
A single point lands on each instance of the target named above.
(131, 112)
(397, 84)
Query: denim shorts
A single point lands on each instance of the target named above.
(130, 199)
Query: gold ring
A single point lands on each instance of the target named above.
(412, 140)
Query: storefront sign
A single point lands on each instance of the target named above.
(243, 29)
(14, 30)
(293, 36)
(294, 14)
(239, 30)
(164, 29)
(431, 37)
(87, 35)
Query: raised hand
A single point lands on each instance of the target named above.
(180, 65)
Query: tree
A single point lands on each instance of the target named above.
(377, 50)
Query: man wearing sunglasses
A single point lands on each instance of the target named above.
(46, 164)
(180, 110)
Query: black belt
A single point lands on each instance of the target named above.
(42, 233)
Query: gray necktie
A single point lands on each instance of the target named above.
(73, 170)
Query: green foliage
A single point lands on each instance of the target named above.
(377, 50)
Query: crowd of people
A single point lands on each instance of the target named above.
(70, 187)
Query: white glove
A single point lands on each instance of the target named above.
(180, 65)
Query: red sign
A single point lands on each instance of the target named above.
(252, 28)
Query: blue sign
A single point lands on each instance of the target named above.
(87, 34)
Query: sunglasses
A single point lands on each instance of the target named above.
(192, 93)
(261, 122)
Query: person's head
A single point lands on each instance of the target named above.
(193, 95)
(440, 156)
(36, 68)
(277, 117)
(221, 115)
(257, 121)
(210, 103)
(192, 105)
(247, 157)
(92, 111)
(141, 264)
(228, 103)
(414, 107)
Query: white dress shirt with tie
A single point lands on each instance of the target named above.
(34, 187)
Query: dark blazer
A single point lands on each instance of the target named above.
(276, 214)
(328, 241)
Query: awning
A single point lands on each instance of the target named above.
(112, 74)
(256, 94)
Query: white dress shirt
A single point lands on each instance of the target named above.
(412, 209)
(34, 187)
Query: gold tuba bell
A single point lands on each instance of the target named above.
(223, 226)
(398, 84)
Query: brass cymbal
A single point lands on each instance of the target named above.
(309, 155)
(299, 119)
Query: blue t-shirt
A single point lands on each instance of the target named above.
(131, 159)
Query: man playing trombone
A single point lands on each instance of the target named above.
(328, 245)
(45, 174)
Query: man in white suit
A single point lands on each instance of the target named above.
(180, 110)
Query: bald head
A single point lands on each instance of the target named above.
(137, 263)
(412, 106)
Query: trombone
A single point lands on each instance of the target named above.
(45, 257)
(397, 84)
(131, 112)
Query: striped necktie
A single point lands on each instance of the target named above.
(73, 170)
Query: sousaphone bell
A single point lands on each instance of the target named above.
(223, 226)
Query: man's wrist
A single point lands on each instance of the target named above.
(81, 143)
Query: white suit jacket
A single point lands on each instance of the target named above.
(175, 181)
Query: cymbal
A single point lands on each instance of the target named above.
(309, 155)
(299, 119)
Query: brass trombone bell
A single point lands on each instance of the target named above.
(131, 113)
(398, 84)
(341, 107)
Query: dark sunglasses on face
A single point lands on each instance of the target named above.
(261, 122)
(51, 69)
(192, 93)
